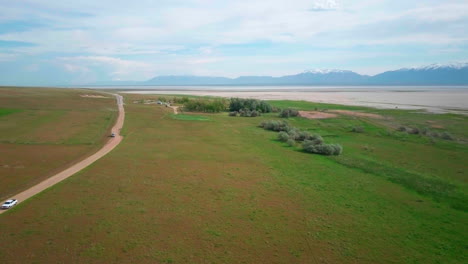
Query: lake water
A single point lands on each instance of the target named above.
(438, 99)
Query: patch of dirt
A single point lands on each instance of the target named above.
(316, 115)
(358, 114)
(433, 124)
(175, 109)
(92, 96)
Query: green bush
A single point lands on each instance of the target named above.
(204, 105)
(414, 131)
(248, 113)
(357, 129)
(290, 142)
(447, 136)
(283, 136)
(238, 104)
(293, 133)
(323, 149)
(180, 100)
(288, 112)
(275, 125)
(402, 129)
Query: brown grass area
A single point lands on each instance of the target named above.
(357, 114)
(53, 129)
(22, 166)
(92, 96)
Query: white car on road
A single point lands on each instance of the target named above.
(10, 203)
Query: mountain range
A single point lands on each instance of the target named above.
(435, 74)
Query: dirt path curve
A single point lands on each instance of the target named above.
(110, 145)
(175, 108)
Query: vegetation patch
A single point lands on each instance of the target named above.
(4, 111)
(437, 188)
(189, 117)
(205, 105)
(288, 112)
(311, 143)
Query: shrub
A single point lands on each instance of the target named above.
(283, 136)
(288, 112)
(237, 104)
(274, 125)
(180, 100)
(337, 149)
(402, 129)
(204, 105)
(414, 131)
(248, 113)
(293, 133)
(447, 136)
(357, 129)
(323, 149)
(254, 113)
(304, 135)
(290, 142)
(234, 113)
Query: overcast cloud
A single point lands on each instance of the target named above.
(59, 42)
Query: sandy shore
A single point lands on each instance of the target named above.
(432, 100)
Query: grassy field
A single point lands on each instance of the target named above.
(44, 130)
(220, 189)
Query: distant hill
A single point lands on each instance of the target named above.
(436, 74)
(454, 74)
(317, 77)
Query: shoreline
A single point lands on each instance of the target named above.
(431, 100)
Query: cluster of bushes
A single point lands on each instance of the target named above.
(275, 125)
(245, 113)
(426, 132)
(238, 104)
(177, 100)
(204, 105)
(310, 143)
(324, 149)
(180, 100)
(288, 112)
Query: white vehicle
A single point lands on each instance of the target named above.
(112, 135)
(9, 204)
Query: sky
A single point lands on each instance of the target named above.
(56, 42)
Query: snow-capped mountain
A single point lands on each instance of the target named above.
(438, 66)
(434, 74)
(325, 71)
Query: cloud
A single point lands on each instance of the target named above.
(7, 57)
(117, 68)
(128, 40)
(204, 60)
(324, 5)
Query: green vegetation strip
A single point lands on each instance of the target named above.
(439, 189)
(189, 117)
(6, 111)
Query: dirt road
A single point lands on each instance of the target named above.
(110, 145)
(175, 108)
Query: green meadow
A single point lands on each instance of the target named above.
(210, 188)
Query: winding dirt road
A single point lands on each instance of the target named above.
(110, 145)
